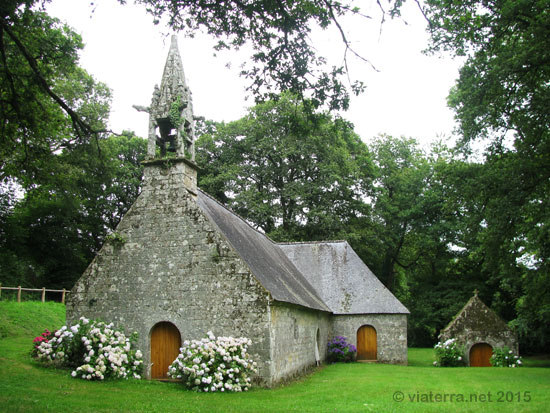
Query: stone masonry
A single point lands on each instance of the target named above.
(173, 266)
(477, 323)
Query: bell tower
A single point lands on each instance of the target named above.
(171, 140)
(171, 125)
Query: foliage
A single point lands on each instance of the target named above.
(504, 357)
(45, 337)
(294, 175)
(176, 118)
(96, 350)
(48, 102)
(278, 33)
(448, 354)
(403, 209)
(501, 98)
(339, 350)
(503, 85)
(116, 238)
(214, 364)
(53, 232)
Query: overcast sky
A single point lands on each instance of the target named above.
(406, 96)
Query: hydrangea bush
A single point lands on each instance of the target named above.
(448, 354)
(93, 349)
(42, 338)
(339, 350)
(214, 364)
(504, 357)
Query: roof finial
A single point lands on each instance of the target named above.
(476, 291)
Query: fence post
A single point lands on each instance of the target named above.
(0, 290)
(19, 294)
(43, 294)
(63, 297)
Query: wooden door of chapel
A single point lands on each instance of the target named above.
(165, 347)
(366, 344)
(480, 355)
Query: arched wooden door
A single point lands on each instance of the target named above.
(165, 347)
(480, 355)
(366, 343)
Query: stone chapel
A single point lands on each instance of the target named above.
(479, 330)
(182, 264)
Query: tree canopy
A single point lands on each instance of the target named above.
(48, 102)
(293, 174)
(283, 56)
(50, 235)
(501, 99)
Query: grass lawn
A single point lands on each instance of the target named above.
(358, 387)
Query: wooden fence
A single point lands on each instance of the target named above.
(63, 292)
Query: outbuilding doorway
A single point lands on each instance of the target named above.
(366, 343)
(480, 355)
(165, 347)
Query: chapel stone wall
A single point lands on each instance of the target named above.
(170, 264)
(295, 332)
(391, 331)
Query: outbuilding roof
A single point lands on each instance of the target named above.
(475, 316)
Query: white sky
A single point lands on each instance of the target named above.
(407, 96)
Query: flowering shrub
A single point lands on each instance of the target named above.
(42, 338)
(94, 349)
(504, 357)
(340, 351)
(214, 364)
(448, 354)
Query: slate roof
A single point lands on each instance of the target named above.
(476, 316)
(342, 279)
(266, 260)
(326, 276)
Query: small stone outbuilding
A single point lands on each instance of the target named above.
(479, 330)
(182, 264)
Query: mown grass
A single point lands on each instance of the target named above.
(27, 386)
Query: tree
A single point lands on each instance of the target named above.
(48, 102)
(502, 96)
(503, 86)
(278, 32)
(399, 206)
(294, 175)
(54, 231)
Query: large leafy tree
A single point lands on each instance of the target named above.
(48, 103)
(502, 98)
(408, 220)
(283, 56)
(50, 235)
(293, 174)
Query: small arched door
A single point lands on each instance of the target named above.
(165, 347)
(366, 343)
(480, 355)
